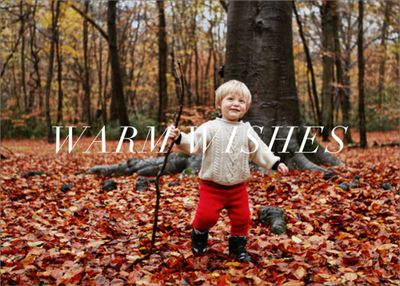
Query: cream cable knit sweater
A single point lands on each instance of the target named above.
(227, 148)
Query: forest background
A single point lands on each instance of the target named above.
(56, 65)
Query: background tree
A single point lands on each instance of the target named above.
(314, 98)
(328, 49)
(55, 12)
(361, 64)
(385, 24)
(118, 106)
(162, 62)
(86, 63)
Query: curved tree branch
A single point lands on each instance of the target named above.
(91, 21)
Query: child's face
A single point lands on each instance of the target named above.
(233, 107)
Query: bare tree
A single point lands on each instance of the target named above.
(382, 63)
(310, 67)
(162, 62)
(361, 64)
(55, 12)
(87, 109)
(23, 80)
(328, 90)
(118, 105)
(35, 78)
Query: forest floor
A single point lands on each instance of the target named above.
(337, 234)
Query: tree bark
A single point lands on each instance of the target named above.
(196, 55)
(22, 56)
(340, 82)
(259, 52)
(118, 107)
(86, 78)
(36, 87)
(55, 15)
(162, 62)
(59, 79)
(345, 100)
(106, 94)
(361, 64)
(328, 90)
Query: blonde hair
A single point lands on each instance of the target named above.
(232, 87)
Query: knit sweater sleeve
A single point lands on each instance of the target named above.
(259, 151)
(192, 143)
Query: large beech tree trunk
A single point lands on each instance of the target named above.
(259, 52)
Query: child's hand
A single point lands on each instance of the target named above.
(283, 169)
(174, 133)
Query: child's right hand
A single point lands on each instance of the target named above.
(283, 169)
(174, 133)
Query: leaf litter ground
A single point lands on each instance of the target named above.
(341, 231)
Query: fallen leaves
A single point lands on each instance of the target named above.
(86, 235)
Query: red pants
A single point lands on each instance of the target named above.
(214, 198)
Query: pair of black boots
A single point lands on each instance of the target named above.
(237, 245)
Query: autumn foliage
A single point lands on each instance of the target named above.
(342, 229)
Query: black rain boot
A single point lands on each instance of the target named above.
(199, 241)
(237, 247)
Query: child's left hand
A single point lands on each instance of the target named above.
(283, 169)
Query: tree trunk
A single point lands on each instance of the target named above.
(328, 91)
(54, 19)
(345, 101)
(196, 73)
(206, 89)
(397, 66)
(313, 109)
(76, 102)
(133, 56)
(118, 107)
(23, 79)
(86, 78)
(196, 55)
(59, 79)
(36, 88)
(189, 90)
(340, 82)
(310, 68)
(382, 63)
(259, 52)
(360, 59)
(162, 62)
(106, 95)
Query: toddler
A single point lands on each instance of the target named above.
(227, 144)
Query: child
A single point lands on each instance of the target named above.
(227, 144)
